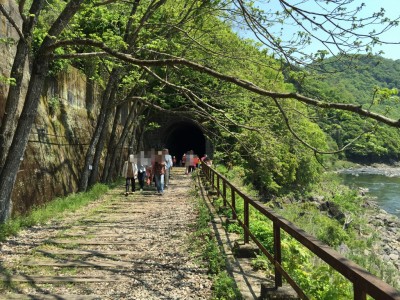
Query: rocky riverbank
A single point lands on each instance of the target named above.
(374, 169)
(381, 227)
(385, 225)
(387, 246)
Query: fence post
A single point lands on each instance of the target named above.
(233, 200)
(277, 254)
(359, 293)
(224, 190)
(218, 193)
(246, 221)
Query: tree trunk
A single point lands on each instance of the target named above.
(21, 135)
(100, 146)
(113, 154)
(83, 182)
(13, 99)
(9, 121)
(111, 145)
(40, 68)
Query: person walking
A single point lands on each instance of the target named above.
(188, 157)
(141, 176)
(168, 166)
(130, 171)
(190, 161)
(174, 161)
(159, 173)
(183, 160)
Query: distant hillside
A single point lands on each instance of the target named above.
(356, 81)
(361, 76)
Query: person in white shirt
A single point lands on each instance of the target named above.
(168, 165)
(130, 171)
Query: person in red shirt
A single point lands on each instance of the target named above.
(174, 161)
(196, 161)
(159, 172)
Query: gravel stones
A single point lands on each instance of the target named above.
(137, 244)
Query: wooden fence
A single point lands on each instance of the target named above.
(364, 283)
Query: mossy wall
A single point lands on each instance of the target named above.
(64, 124)
(57, 144)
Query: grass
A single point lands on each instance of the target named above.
(212, 257)
(51, 210)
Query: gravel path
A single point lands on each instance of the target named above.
(119, 247)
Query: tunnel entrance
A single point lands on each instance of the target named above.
(183, 137)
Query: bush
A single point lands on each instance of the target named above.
(224, 287)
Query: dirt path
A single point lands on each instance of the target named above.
(119, 247)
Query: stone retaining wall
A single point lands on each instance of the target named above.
(63, 127)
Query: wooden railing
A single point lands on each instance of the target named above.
(363, 282)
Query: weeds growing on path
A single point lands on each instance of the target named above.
(50, 210)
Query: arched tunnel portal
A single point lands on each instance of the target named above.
(178, 134)
(183, 136)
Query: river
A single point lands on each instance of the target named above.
(382, 183)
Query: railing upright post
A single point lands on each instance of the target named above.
(218, 192)
(233, 200)
(359, 293)
(212, 179)
(246, 221)
(224, 190)
(277, 254)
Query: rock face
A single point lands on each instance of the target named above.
(58, 140)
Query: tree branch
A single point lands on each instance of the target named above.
(357, 109)
(9, 19)
(297, 137)
(189, 95)
(21, 6)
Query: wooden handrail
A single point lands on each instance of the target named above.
(364, 283)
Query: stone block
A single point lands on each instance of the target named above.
(231, 221)
(284, 292)
(212, 192)
(242, 250)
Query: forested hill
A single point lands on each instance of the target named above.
(372, 81)
(359, 77)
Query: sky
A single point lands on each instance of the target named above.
(392, 10)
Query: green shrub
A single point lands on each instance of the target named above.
(224, 287)
(54, 105)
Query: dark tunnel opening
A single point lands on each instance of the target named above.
(184, 137)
